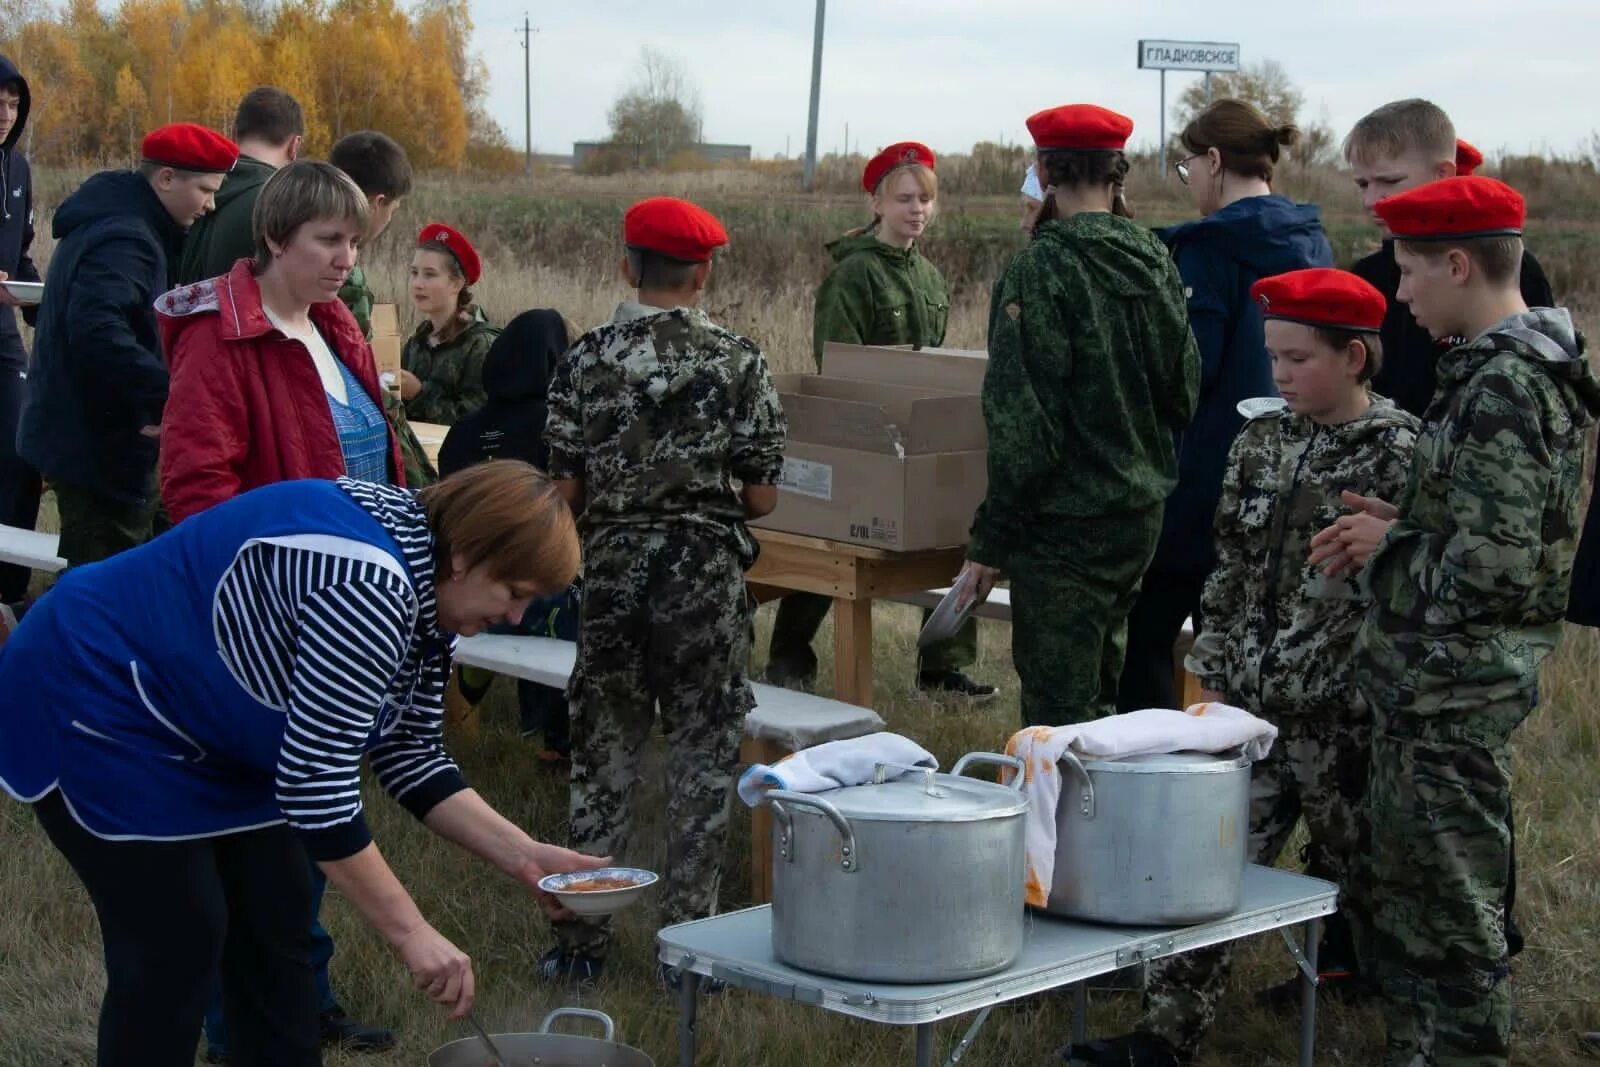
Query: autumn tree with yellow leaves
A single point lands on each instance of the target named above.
(101, 78)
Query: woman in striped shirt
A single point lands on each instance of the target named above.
(188, 720)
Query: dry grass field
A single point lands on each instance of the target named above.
(553, 244)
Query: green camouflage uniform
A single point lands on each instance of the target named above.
(657, 412)
(451, 372)
(876, 294)
(1469, 586)
(420, 472)
(1279, 641)
(1092, 370)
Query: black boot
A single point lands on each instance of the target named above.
(1138, 1049)
(339, 1030)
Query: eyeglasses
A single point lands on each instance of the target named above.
(1182, 167)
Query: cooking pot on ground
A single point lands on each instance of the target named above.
(545, 1049)
(1156, 840)
(916, 879)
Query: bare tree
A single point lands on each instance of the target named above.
(659, 113)
(1268, 86)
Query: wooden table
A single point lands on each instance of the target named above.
(853, 575)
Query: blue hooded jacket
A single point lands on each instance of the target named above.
(1219, 258)
(16, 217)
(98, 377)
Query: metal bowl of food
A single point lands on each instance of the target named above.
(600, 891)
(546, 1049)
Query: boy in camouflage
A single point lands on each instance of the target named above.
(1279, 635)
(665, 434)
(1469, 570)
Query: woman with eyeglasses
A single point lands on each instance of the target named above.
(1246, 232)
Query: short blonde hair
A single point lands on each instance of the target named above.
(301, 192)
(507, 516)
(1402, 126)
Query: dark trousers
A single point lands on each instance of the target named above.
(96, 527)
(172, 914)
(19, 483)
(216, 1028)
(1166, 598)
(800, 616)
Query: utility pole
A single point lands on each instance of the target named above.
(816, 95)
(527, 33)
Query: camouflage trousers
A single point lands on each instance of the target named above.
(96, 527)
(663, 622)
(1441, 861)
(1317, 770)
(1071, 592)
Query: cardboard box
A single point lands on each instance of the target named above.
(385, 320)
(386, 353)
(886, 448)
(386, 343)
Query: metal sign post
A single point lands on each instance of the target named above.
(1207, 56)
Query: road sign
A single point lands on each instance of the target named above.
(1210, 56)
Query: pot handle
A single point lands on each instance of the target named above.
(850, 859)
(1086, 805)
(606, 1025)
(1019, 770)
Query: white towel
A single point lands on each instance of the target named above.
(834, 764)
(1202, 728)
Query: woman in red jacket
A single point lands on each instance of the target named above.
(271, 377)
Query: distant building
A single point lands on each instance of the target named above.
(711, 153)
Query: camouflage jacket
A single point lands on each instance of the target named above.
(1092, 372)
(451, 372)
(1470, 583)
(1279, 635)
(357, 296)
(879, 295)
(658, 412)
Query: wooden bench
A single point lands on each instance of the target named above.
(998, 606)
(30, 548)
(783, 720)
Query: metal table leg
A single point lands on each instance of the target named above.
(1080, 1018)
(1308, 994)
(688, 1003)
(924, 1045)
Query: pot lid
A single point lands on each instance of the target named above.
(923, 797)
(1171, 763)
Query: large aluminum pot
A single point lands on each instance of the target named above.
(918, 879)
(1151, 840)
(546, 1049)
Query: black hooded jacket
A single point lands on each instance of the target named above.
(16, 217)
(98, 377)
(516, 377)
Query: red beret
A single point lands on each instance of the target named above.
(459, 246)
(1321, 296)
(1080, 126)
(673, 228)
(1468, 158)
(1454, 208)
(186, 146)
(893, 156)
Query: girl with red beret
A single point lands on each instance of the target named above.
(881, 291)
(1092, 372)
(442, 375)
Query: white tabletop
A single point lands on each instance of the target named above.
(737, 948)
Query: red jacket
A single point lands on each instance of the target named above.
(247, 407)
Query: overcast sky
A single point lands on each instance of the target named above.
(1516, 75)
